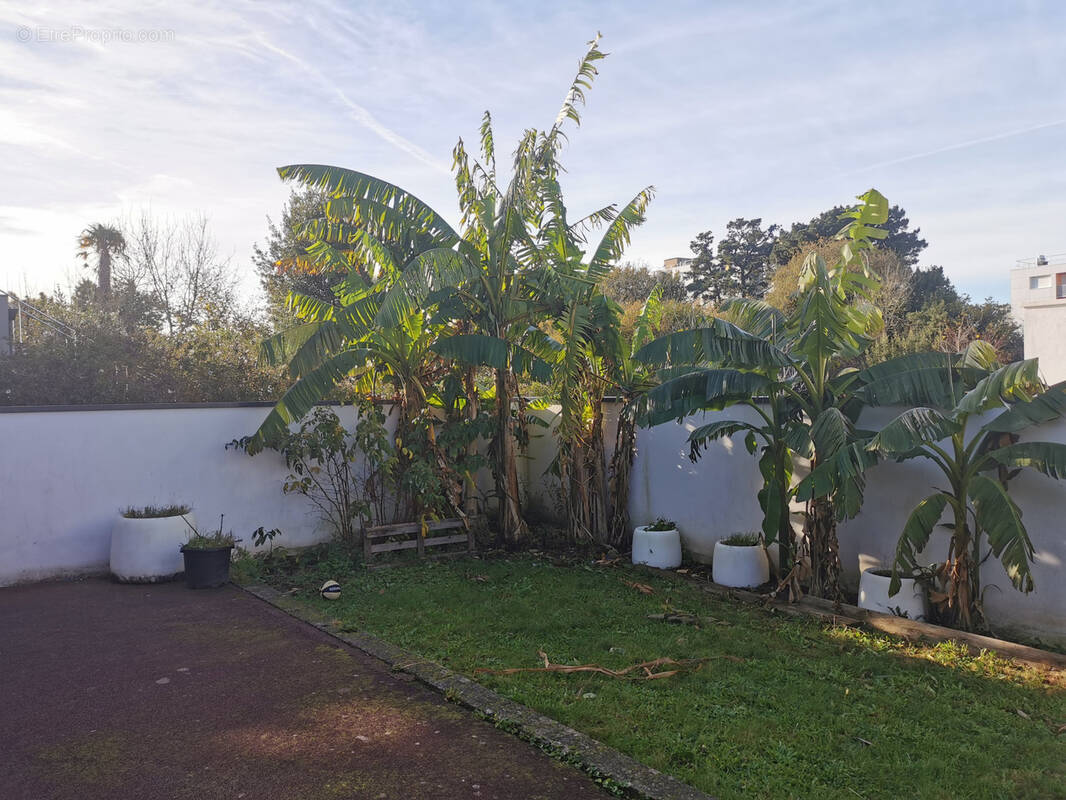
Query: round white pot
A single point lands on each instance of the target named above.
(148, 550)
(660, 549)
(740, 566)
(910, 601)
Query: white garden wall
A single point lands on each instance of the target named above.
(717, 496)
(65, 475)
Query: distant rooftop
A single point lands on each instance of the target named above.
(1052, 260)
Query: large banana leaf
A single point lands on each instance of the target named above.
(302, 395)
(475, 349)
(1001, 520)
(713, 431)
(651, 315)
(616, 238)
(704, 389)
(1044, 407)
(720, 342)
(830, 431)
(1014, 382)
(1046, 457)
(841, 476)
(775, 493)
(279, 348)
(912, 429)
(915, 537)
(431, 270)
(341, 182)
(979, 356)
(757, 317)
(918, 379)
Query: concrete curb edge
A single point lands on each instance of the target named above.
(590, 755)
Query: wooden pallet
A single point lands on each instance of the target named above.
(374, 539)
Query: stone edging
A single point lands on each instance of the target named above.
(593, 757)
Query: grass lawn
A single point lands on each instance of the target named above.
(807, 710)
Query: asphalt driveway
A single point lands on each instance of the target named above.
(119, 691)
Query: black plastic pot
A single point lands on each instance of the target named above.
(206, 568)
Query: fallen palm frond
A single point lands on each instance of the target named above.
(681, 665)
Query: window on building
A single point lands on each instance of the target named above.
(1060, 285)
(1040, 282)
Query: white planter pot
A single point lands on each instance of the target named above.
(148, 550)
(660, 549)
(742, 567)
(910, 601)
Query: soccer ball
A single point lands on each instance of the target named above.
(330, 590)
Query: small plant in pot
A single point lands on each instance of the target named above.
(657, 545)
(740, 561)
(207, 557)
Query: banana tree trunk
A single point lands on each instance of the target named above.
(512, 527)
(597, 467)
(961, 574)
(583, 477)
(621, 471)
(473, 408)
(821, 529)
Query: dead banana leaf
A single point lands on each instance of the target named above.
(647, 667)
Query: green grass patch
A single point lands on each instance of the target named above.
(806, 710)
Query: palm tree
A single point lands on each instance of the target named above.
(953, 393)
(794, 373)
(105, 242)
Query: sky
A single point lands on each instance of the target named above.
(956, 111)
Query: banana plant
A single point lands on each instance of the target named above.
(632, 382)
(954, 424)
(491, 277)
(794, 373)
(590, 352)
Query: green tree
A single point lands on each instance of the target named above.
(950, 394)
(740, 268)
(950, 327)
(631, 284)
(905, 243)
(929, 286)
(104, 242)
(706, 278)
(282, 261)
(744, 256)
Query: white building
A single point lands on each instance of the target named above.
(677, 266)
(1038, 303)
